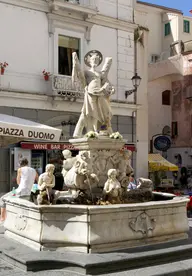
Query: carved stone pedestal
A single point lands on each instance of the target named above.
(105, 153)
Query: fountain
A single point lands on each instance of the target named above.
(97, 214)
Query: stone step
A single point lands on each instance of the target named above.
(27, 259)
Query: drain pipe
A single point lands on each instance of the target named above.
(135, 68)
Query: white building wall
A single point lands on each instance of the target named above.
(29, 43)
(154, 19)
(185, 36)
(25, 47)
(28, 47)
(151, 19)
(174, 35)
(159, 115)
(121, 9)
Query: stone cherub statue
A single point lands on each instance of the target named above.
(46, 184)
(68, 162)
(96, 111)
(112, 188)
(145, 183)
(80, 177)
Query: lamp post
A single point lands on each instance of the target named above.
(136, 80)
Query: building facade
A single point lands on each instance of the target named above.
(41, 35)
(169, 78)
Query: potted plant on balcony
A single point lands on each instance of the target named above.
(46, 75)
(3, 65)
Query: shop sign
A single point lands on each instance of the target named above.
(129, 147)
(19, 132)
(47, 146)
(162, 143)
(57, 146)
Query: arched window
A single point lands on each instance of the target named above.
(166, 97)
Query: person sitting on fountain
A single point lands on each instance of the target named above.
(132, 183)
(112, 188)
(46, 184)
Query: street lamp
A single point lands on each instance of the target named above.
(136, 80)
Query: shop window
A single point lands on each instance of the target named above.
(166, 95)
(174, 129)
(186, 26)
(167, 30)
(66, 46)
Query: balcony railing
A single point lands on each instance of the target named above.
(180, 47)
(188, 46)
(62, 86)
(76, 5)
(84, 3)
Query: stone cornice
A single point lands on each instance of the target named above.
(47, 102)
(111, 22)
(38, 5)
(90, 16)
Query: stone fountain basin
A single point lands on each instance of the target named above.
(92, 229)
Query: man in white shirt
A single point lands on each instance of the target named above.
(26, 177)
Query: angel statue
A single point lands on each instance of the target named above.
(96, 112)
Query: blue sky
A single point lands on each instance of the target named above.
(184, 5)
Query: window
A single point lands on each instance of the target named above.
(67, 45)
(167, 29)
(186, 26)
(166, 95)
(174, 129)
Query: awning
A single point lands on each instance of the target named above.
(14, 129)
(158, 163)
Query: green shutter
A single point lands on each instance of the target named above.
(167, 29)
(186, 26)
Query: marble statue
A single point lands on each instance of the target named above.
(96, 112)
(121, 161)
(46, 184)
(112, 188)
(68, 162)
(80, 177)
(144, 183)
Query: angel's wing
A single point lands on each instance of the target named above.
(78, 77)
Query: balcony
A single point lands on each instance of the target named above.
(87, 7)
(180, 47)
(62, 86)
(187, 47)
(58, 85)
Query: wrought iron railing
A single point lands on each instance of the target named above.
(188, 46)
(62, 86)
(180, 47)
